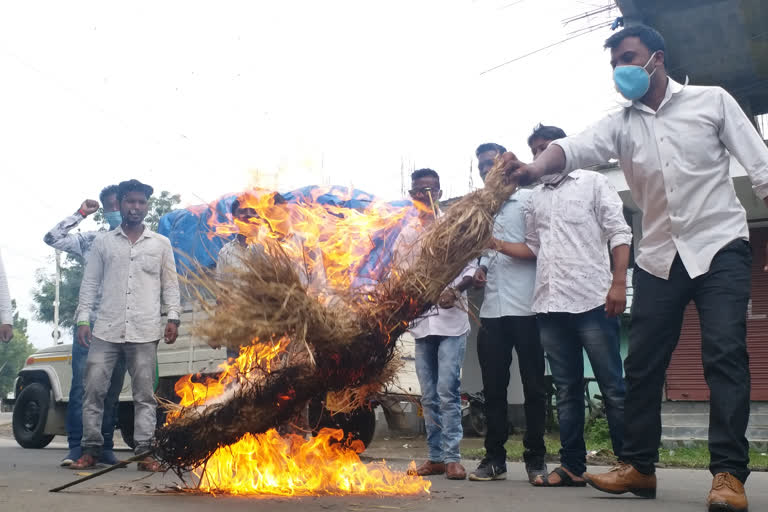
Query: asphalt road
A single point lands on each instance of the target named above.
(26, 476)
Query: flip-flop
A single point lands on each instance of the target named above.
(150, 465)
(565, 480)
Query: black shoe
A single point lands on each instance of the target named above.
(536, 470)
(488, 471)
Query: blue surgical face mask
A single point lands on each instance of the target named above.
(114, 219)
(633, 81)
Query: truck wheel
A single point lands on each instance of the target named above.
(125, 422)
(360, 423)
(29, 416)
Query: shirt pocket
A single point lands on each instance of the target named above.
(575, 211)
(150, 264)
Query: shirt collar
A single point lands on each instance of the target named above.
(672, 89)
(573, 175)
(147, 233)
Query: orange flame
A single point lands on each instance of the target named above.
(252, 360)
(330, 245)
(329, 241)
(269, 464)
(292, 466)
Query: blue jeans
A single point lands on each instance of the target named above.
(438, 367)
(77, 391)
(563, 336)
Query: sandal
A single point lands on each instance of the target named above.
(84, 462)
(566, 480)
(150, 465)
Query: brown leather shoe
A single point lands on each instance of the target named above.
(624, 478)
(455, 471)
(428, 468)
(727, 494)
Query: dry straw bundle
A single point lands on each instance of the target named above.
(346, 347)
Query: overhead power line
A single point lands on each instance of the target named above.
(542, 49)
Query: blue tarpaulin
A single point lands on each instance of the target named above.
(192, 230)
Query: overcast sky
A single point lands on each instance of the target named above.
(205, 98)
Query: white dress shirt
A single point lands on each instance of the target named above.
(136, 278)
(510, 281)
(6, 310)
(570, 227)
(676, 162)
(233, 255)
(437, 321)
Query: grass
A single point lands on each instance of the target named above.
(696, 456)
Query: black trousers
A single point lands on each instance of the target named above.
(496, 339)
(721, 296)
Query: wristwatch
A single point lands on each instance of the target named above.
(175, 321)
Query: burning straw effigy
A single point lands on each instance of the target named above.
(344, 346)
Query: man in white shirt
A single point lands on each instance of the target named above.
(507, 323)
(232, 256)
(441, 340)
(571, 222)
(136, 271)
(674, 144)
(6, 310)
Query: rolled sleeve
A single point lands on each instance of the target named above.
(531, 234)
(485, 260)
(595, 145)
(170, 284)
(469, 270)
(611, 213)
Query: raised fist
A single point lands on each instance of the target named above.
(89, 206)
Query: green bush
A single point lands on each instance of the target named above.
(596, 430)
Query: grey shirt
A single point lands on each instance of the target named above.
(136, 279)
(79, 244)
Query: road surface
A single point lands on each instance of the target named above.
(26, 476)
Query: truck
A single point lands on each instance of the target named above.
(41, 390)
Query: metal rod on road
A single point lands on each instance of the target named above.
(121, 464)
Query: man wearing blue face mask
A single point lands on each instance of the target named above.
(78, 244)
(674, 144)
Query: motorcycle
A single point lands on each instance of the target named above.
(473, 413)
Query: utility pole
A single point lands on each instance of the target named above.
(56, 334)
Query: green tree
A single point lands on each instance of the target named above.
(72, 268)
(14, 354)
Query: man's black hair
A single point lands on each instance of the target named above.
(649, 36)
(133, 186)
(106, 192)
(423, 173)
(490, 146)
(546, 133)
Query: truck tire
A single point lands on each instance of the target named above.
(29, 416)
(360, 423)
(125, 423)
